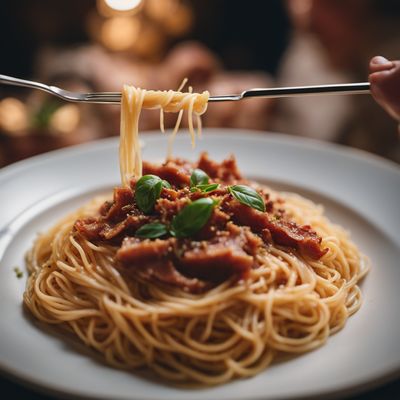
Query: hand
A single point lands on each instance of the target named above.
(385, 84)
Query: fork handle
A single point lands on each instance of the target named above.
(10, 80)
(343, 88)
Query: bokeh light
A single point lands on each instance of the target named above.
(179, 22)
(159, 10)
(65, 119)
(120, 33)
(113, 8)
(13, 115)
(123, 5)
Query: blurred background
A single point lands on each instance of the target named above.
(224, 46)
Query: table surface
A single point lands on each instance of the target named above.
(16, 391)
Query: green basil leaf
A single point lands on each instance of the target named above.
(147, 191)
(198, 177)
(248, 196)
(151, 231)
(208, 188)
(192, 217)
(166, 184)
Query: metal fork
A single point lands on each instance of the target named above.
(115, 97)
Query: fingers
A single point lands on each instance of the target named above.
(385, 84)
(379, 63)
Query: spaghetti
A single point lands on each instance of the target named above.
(289, 301)
(133, 100)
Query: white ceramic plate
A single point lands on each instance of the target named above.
(359, 191)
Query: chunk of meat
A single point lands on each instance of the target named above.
(90, 228)
(166, 273)
(117, 219)
(171, 194)
(135, 251)
(149, 260)
(168, 208)
(176, 174)
(122, 204)
(124, 228)
(282, 232)
(220, 258)
(244, 215)
(98, 229)
(226, 171)
(302, 238)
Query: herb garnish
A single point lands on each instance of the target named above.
(147, 191)
(18, 273)
(186, 223)
(198, 177)
(208, 187)
(192, 217)
(199, 180)
(166, 184)
(152, 231)
(248, 196)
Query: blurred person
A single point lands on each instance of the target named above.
(331, 43)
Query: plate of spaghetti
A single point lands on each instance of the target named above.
(248, 267)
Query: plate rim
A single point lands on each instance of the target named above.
(251, 134)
